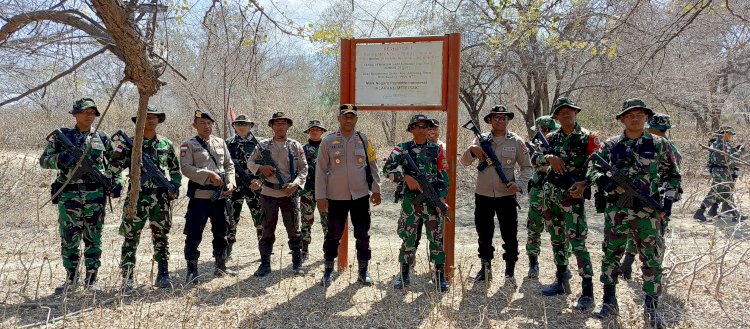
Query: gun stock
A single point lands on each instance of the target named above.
(87, 167)
(149, 170)
(486, 145)
(428, 191)
(631, 191)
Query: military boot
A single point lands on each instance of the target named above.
(229, 251)
(533, 267)
(651, 312)
(220, 268)
(71, 279)
(162, 277)
(699, 214)
(725, 208)
(403, 279)
(586, 301)
(562, 283)
(510, 269)
(265, 266)
(440, 282)
(91, 282)
(609, 303)
(305, 254)
(192, 271)
(128, 283)
(297, 262)
(485, 272)
(363, 277)
(327, 274)
(627, 266)
(713, 211)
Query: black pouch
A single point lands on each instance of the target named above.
(600, 202)
(53, 189)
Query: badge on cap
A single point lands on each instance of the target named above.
(198, 114)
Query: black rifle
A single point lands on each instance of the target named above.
(88, 166)
(149, 170)
(267, 160)
(631, 191)
(541, 140)
(245, 179)
(486, 144)
(428, 191)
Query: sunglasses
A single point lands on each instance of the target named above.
(500, 118)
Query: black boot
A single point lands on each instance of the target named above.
(713, 211)
(229, 251)
(403, 280)
(297, 262)
(627, 266)
(220, 268)
(71, 279)
(562, 283)
(609, 303)
(533, 267)
(699, 214)
(440, 281)
(128, 284)
(586, 301)
(91, 282)
(192, 271)
(162, 277)
(650, 309)
(510, 269)
(265, 266)
(363, 277)
(485, 272)
(327, 274)
(304, 253)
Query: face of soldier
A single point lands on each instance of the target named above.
(152, 120)
(280, 127)
(634, 120)
(499, 122)
(727, 136)
(566, 116)
(419, 131)
(315, 133)
(347, 122)
(433, 134)
(85, 119)
(242, 128)
(204, 127)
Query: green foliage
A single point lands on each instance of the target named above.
(328, 36)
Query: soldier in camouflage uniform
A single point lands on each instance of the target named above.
(564, 192)
(657, 125)
(642, 158)
(241, 145)
(153, 202)
(307, 195)
(535, 222)
(722, 169)
(432, 163)
(82, 201)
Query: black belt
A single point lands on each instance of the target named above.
(82, 187)
(273, 185)
(713, 166)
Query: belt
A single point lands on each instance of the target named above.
(273, 185)
(82, 187)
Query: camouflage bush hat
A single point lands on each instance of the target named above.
(243, 119)
(152, 110)
(202, 114)
(417, 118)
(724, 129)
(82, 104)
(435, 123)
(634, 103)
(547, 123)
(564, 102)
(279, 115)
(314, 123)
(498, 109)
(659, 121)
(347, 108)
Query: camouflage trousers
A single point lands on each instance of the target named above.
(81, 217)
(155, 211)
(566, 223)
(722, 186)
(645, 228)
(535, 222)
(307, 205)
(252, 198)
(412, 216)
(631, 248)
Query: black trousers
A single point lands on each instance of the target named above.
(269, 208)
(198, 213)
(360, 215)
(484, 220)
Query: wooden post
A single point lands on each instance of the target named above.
(454, 69)
(345, 98)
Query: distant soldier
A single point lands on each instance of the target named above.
(564, 191)
(431, 163)
(307, 196)
(641, 158)
(346, 174)
(535, 223)
(492, 197)
(204, 160)
(722, 167)
(657, 125)
(283, 175)
(241, 145)
(82, 201)
(153, 204)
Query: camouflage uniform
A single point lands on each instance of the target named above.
(81, 204)
(240, 149)
(722, 169)
(535, 222)
(307, 194)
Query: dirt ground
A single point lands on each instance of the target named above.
(705, 276)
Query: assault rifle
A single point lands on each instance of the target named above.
(486, 144)
(632, 193)
(267, 160)
(87, 167)
(541, 140)
(149, 170)
(244, 178)
(428, 192)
